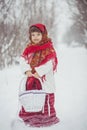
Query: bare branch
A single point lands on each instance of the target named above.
(85, 2)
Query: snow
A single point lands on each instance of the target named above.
(71, 92)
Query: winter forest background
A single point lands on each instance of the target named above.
(66, 22)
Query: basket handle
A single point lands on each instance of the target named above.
(22, 84)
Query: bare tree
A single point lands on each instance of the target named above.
(15, 19)
(78, 30)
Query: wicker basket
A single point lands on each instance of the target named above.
(31, 100)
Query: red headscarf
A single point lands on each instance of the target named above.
(41, 53)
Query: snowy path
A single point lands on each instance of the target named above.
(71, 93)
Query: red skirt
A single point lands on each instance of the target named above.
(46, 117)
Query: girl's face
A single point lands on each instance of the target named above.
(36, 37)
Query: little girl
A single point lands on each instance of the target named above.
(39, 61)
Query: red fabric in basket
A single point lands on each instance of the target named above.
(33, 83)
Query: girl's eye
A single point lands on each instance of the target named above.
(32, 35)
(38, 34)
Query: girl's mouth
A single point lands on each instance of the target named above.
(35, 39)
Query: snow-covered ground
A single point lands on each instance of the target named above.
(71, 92)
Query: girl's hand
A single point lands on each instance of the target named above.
(28, 73)
(36, 75)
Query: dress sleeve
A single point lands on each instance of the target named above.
(44, 69)
(24, 65)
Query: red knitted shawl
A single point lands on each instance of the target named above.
(37, 55)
